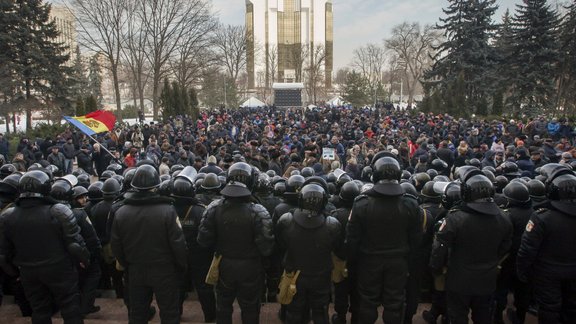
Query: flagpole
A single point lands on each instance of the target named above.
(103, 147)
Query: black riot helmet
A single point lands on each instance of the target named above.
(240, 181)
(366, 175)
(385, 167)
(516, 193)
(467, 171)
(294, 184)
(432, 173)
(537, 189)
(317, 180)
(475, 163)
(342, 179)
(243, 173)
(419, 180)
(63, 188)
(165, 188)
(441, 178)
(84, 180)
(128, 177)
(490, 175)
(145, 178)
(331, 177)
(95, 191)
(349, 192)
(312, 197)
(439, 165)
(451, 196)
(263, 184)
(176, 167)
(34, 183)
(6, 170)
(107, 174)
(111, 188)
(307, 172)
(271, 173)
(561, 191)
(79, 191)
(9, 187)
(429, 193)
(210, 182)
(182, 187)
(279, 188)
(510, 170)
(117, 168)
(410, 189)
(477, 188)
(500, 183)
(406, 175)
(489, 168)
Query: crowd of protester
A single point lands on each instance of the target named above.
(359, 207)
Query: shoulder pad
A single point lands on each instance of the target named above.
(9, 209)
(360, 198)
(258, 208)
(407, 195)
(332, 221)
(215, 203)
(286, 219)
(60, 210)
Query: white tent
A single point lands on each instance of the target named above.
(336, 101)
(252, 103)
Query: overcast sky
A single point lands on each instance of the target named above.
(358, 22)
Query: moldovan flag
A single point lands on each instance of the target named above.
(95, 122)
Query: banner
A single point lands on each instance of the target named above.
(93, 123)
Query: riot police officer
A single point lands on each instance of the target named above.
(99, 216)
(547, 257)
(474, 256)
(190, 213)
(209, 189)
(43, 240)
(344, 298)
(309, 238)
(240, 232)
(63, 191)
(519, 211)
(383, 228)
(148, 242)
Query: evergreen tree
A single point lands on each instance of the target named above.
(466, 56)
(194, 105)
(535, 56)
(166, 100)
(78, 82)
(504, 44)
(90, 105)
(95, 79)
(30, 52)
(567, 70)
(80, 109)
(356, 89)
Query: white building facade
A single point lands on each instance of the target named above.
(283, 35)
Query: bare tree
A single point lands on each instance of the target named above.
(230, 44)
(101, 25)
(134, 39)
(369, 61)
(314, 72)
(413, 48)
(168, 23)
